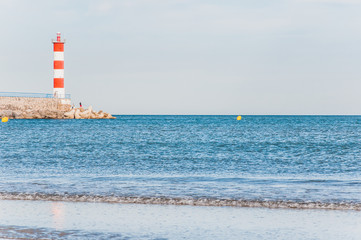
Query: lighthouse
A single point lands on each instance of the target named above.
(59, 90)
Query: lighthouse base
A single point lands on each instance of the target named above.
(59, 93)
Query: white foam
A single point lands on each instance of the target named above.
(182, 201)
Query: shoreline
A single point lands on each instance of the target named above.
(197, 202)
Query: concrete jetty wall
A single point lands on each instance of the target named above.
(26, 103)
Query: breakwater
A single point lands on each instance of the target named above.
(46, 108)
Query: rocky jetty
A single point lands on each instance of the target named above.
(75, 113)
(46, 108)
(81, 113)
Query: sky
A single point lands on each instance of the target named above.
(237, 57)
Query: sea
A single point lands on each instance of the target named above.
(170, 166)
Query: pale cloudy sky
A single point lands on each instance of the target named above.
(189, 56)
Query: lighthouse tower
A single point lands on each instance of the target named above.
(59, 91)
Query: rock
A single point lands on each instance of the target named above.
(49, 114)
(66, 107)
(27, 116)
(46, 114)
(43, 112)
(6, 113)
(70, 114)
(85, 114)
(77, 114)
(16, 114)
(110, 116)
(60, 114)
(93, 116)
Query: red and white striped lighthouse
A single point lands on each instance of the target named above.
(59, 91)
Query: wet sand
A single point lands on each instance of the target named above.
(67, 220)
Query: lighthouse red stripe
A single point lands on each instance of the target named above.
(58, 47)
(58, 82)
(58, 64)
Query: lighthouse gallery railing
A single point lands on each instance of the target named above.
(31, 95)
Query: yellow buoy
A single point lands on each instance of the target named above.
(239, 118)
(4, 119)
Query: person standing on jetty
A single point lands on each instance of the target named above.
(80, 105)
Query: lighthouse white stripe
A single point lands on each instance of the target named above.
(58, 73)
(59, 56)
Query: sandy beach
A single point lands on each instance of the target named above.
(67, 220)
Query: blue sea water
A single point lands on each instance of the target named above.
(260, 161)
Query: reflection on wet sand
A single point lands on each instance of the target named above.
(58, 210)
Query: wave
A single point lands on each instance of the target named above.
(280, 204)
